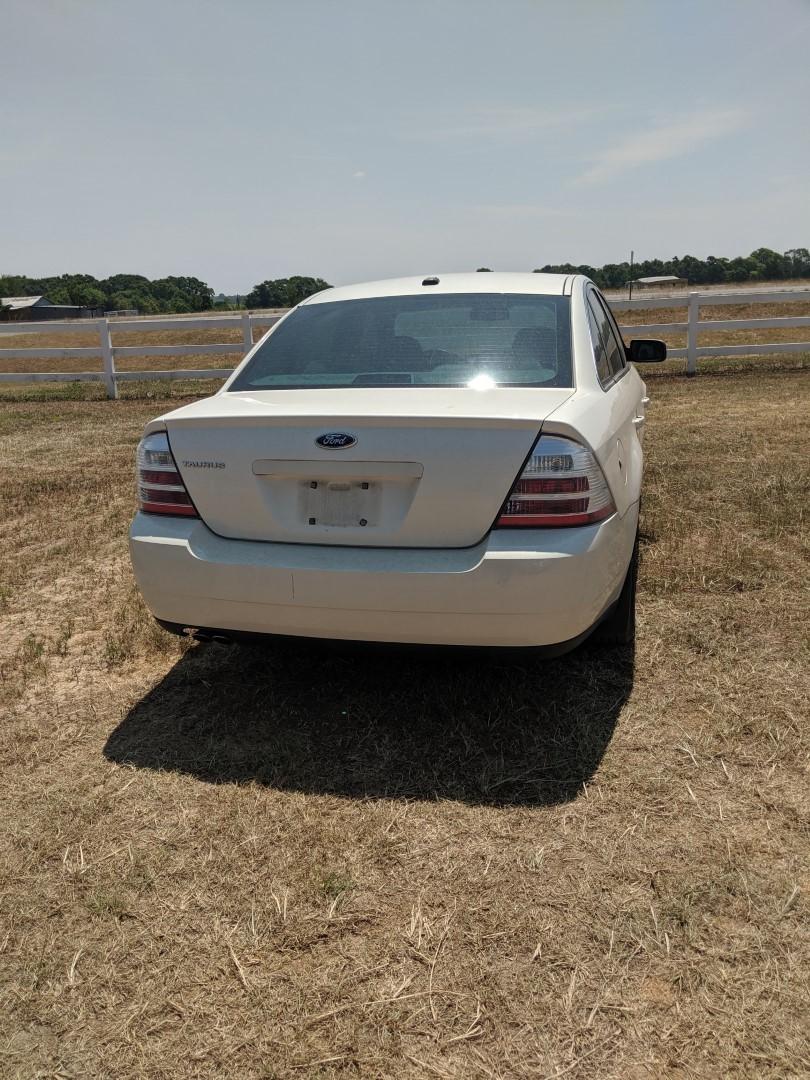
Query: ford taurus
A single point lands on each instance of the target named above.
(453, 460)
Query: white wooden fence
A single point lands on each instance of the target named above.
(694, 325)
(110, 354)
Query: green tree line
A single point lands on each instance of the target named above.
(169, 294)
(189, 294)
(761, 265)
(163, 295)
(284, 292)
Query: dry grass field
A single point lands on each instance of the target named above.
(304, 861)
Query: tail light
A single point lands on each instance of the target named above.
(561, 484)
(160, 487)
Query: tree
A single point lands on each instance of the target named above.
(284, 292)
(194, 294)
(124, 283)
(761, 264)
(184, 293)
(119, 291)
(89, 296)
(15, 285)
(799, 261)
(769, 264)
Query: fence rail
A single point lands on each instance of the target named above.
(694, 325)
(110, 353)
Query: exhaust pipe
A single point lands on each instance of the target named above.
(207, 636)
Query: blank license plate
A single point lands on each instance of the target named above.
(341, 503)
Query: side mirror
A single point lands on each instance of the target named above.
(646, 351)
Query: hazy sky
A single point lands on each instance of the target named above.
(241, 140)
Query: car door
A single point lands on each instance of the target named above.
(625, 390)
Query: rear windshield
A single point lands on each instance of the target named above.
(478, 340)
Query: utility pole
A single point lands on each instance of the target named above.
(630, 283)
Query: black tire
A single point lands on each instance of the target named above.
(619, 628)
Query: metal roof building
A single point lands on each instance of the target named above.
(39, 308)
(18, 303)
(658, 282)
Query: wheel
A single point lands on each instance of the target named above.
(619, 628)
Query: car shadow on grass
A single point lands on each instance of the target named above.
(370, 722)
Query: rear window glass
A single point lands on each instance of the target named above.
(479, 340)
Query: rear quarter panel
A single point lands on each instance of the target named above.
(602, 418)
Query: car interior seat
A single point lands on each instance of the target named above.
(536, 346)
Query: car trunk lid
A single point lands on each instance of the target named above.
(405, 468)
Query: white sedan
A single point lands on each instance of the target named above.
(451, 460)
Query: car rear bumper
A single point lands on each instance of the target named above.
(516, 588)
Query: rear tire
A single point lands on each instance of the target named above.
(619, 628)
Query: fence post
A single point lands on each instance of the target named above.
(247, 332)
(692, 334)
(108, 358)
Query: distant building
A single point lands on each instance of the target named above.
(39, 308)
(666, 281)
(16, 307)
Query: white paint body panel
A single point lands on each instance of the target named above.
(426, 568)
(466, 447)
(516, 588)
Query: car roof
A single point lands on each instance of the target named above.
(489, 282)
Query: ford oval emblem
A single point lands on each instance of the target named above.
(336, 440)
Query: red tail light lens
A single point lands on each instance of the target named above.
(561, 484)
(160, 487)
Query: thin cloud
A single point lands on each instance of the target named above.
(522, 210)
(360, 174)
(662, 142)
(517, 122)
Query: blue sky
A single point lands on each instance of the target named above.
(243, 140)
